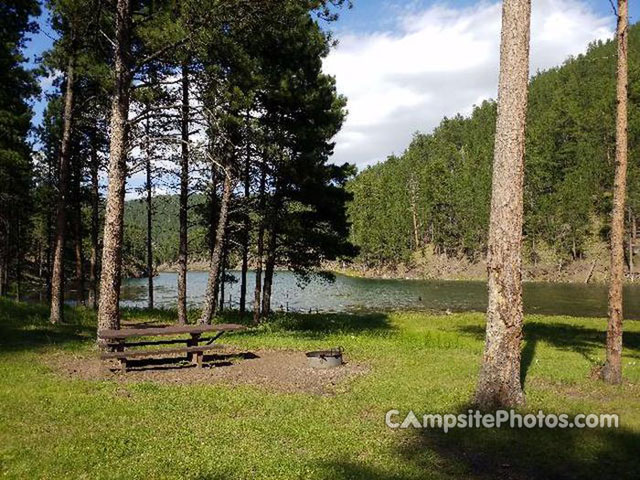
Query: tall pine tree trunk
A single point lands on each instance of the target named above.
(213, 219)
(210, 304)
(4, 232)
(149, 188)
(260, 245)
(245, 236)
(630, 244)
(95, 222)
(18, 257)
(78, 233)
(633, 240)
(184, 199)
(223, 273)
(612, 371)
(270, 254)
(49, 231)
(109, 312)
(57, 274)
(499, 380)
(269, 267)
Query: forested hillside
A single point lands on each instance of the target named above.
(165, 230)
(435, 197)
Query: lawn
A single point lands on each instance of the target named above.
(52, 426)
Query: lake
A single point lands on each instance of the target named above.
(349, 294)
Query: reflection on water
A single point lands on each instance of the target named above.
(348, 294)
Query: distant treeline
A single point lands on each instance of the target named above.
(165, 226)
(437, 193)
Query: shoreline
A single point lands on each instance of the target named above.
(575, 274)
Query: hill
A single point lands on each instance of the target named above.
(431, 204)
(165, 229)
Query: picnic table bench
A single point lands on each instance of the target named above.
(117, 345)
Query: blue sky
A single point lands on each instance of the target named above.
(405, 64)
(375, 15)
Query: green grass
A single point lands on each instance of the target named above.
(54, 427)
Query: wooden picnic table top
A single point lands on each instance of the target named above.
(165, 331)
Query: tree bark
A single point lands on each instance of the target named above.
(149, 188)
(108, 312)
(269, 268)
(630, 245)
(184, 199)
(223, 272)
(3, 264)
(260, 246)
(57, 273)
(634, 239)
(50, 227)
(95, 222)
(18, 258)
(612, 371)
(213, 222)
(210, 304)
(499, 380)
(245, 236)
(78, 233)
(4, 258)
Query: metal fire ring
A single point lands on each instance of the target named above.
(325, 358)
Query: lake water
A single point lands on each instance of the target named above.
(348, 294)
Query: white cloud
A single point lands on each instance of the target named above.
(440, 62)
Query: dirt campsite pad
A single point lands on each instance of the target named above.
(275, 370)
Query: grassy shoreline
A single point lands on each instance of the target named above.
(55, 427)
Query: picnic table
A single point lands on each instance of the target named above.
(118, 347)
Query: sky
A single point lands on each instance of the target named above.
(404, 65)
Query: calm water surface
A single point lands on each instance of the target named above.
(348, 294)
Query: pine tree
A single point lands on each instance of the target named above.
(133, 49)
(612, 371)
(17, 85)
(499, 381)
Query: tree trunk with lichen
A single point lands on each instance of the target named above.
(110, 279)
(612, 370)
(499, 380)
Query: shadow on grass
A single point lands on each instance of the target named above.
(182, 363)
(533, 454)
(313, 323)
(315, 326)
(26, 326)
(539, 453)
(309, 325)
(574, 338)
(528, 352)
